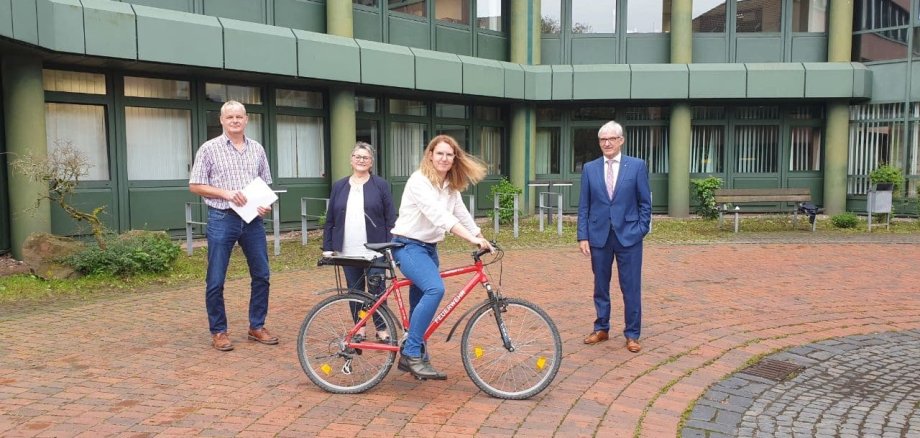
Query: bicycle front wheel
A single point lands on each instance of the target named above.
(525, 369)
(325, 358)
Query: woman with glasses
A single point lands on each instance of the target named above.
(360, 211)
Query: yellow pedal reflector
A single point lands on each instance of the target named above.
(478, 352)
(541, 362)
(326, 368)
(362, 313)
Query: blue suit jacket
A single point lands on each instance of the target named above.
(630, 212)
(379, 213)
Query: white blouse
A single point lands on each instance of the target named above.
(427, 212)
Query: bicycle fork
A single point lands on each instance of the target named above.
(498, 307)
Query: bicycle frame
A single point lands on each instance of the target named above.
(396, 284)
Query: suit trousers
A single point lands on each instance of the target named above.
(629, 270)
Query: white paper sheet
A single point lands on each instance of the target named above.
(258, 194)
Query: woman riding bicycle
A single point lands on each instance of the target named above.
(431, 206)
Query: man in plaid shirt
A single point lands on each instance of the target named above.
(224, 165)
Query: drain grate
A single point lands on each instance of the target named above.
(770, 369)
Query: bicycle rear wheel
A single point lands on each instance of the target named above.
(325, 358)
(533, 361)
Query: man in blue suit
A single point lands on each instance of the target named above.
(614, 214)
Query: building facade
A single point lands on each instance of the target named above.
(761, 93)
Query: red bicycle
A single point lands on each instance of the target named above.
(510, 348)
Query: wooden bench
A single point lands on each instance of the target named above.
(723, 197)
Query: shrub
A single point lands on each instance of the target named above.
(845, 220)
(705, 193)
(506, 192)
(131, 254)
(888, 174)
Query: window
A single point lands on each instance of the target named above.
(648, 16)
(706, 149)
(83, 127)
(301, 146)
(73, 82)
(489, 14)
(594, 16)
(368, 131)
(881, 29)
(371, 3)
(805, 142)
(449, 110)
(913, 152)
(758, 16)
(809, 15)
(299, 99)
(156, 88)
(585, 147)
(253, 128)
(549, 152)
(456, 11)
(365, 104)
(709, 16)
(649, 143)
(159, 143)
(409, 7)
(756, 143)
(408, 107)
(550, 16)
(407, 141)
(239, 93)
(876, 137)
(490, 147)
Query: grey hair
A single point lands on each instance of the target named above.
(611, 127)
(232, 104)
(366, 146)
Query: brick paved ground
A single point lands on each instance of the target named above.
(142, 365)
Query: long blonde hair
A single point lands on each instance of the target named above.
(466, 169)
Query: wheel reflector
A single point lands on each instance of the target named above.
(326, 368)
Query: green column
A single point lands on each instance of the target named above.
(24, 113)
(524, 49)
(681, 115)
(340, 21)
(839, 44)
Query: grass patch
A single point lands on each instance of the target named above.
(188, 270)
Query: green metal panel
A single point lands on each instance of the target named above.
(289, 203)
(409, 32)
(386, 64)
(300, 14)
(25, 16)
(484, 77)
(60, 25)
(888, 81)
(775, 80)
(709, 48)
(452, 40)
(367, 25)
(603, 81)
(551, 50)
(6, 20)
(862, 81)
(538, 82)
(658, 184)
(492, 46)
(914, 81)
(5, 214)
(176, 5)
(758, 49)
(110, 29)
(514, 80)
(809, 48)
(659, 81)
(437, 71)
(833, 79)
(813, 181)
(648, 49)
(259, 47)
(713, 81)
(245, 10)
(562, 82)
(85, 200)
(160, 32)
(158, 208)
(324, 56)
(596, 50)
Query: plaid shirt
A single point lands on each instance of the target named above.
(219, 164)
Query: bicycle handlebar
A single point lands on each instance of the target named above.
(481, 252)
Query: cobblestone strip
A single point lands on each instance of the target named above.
(855, 386)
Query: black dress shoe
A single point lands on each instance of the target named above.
(420, 368)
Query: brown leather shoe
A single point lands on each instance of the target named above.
(598, 336)
(221, 341)
(262, 335)
(633, 345)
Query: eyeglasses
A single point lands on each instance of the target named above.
(606, 139)
(362, 157)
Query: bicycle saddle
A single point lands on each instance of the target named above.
(381, 247)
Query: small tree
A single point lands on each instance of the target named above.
(505, 191)
(705, 193)
(62, 170)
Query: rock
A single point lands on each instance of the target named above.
(41, 252)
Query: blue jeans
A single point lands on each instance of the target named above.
(356, 278)
(225, 228)
(419, 262)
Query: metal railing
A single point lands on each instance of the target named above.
(305, 217)
(497, 209)
(190, 223)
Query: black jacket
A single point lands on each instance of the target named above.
(379, 212)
